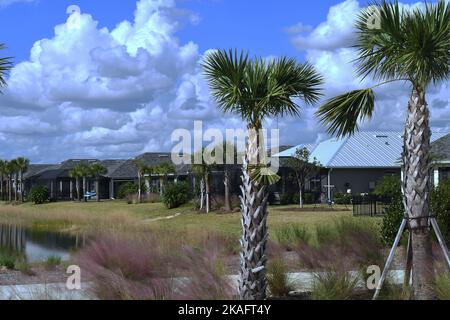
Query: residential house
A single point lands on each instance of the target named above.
(355, 164)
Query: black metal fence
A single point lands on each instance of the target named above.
(369, 205)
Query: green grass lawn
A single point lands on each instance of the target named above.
(81, 216)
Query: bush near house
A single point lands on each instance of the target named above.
(129, 189)
(39, 194)
(175, 195)
(342, 198)
(440, 206)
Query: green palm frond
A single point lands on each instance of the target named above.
(263, 174)
(411, 43)
(258, 88)
(5, 66)
(341, 114)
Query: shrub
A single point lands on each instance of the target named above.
(291, 235)
(442, 286)
(393, 216)
(440, 205)
(52, 262)
(39, 194)
(277, 278)
(342, 198)
(175, 194)
(309, 198)
(25, 268)
(333, 285)
(125, 267)
(286, 198)
(7, 260)
(127, 189)
(389, 186)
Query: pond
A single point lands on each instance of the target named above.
(37, 246)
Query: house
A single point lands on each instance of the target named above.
(355, 164)
(440, 150)
(62, 186)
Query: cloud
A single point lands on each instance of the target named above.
(327, 47)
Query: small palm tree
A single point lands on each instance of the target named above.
(164, 169)
(22, 165)
(412, 46)
(77, 175)
(142, 169)
(97, 170)
(255, 90)
(5, 66)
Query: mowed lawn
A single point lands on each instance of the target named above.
(92, 216)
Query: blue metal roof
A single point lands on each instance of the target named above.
(366, 149)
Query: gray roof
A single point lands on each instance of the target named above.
(370, 149)
(128, 170)
(34, 169)
(441, 149)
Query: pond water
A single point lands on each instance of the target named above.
(37, 246)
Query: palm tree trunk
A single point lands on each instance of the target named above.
(226, 182)
(139, 188)
(10, 187)
(207, 193)
(416, 187)
(202, 193)
(253, 259)
(21, 186)
(84, 189)
(97, 189)
(77, 182)
(1, 188)
(16, 184)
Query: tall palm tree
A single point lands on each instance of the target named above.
(77, 174)
(142, 169)
(412, 46)
(22, 166)
(14, 165)
(85, 172)
(257, 89)
(203, 171)
(3, 173)
(164, 169)
(97, 170)
(10, 169)
(5, 66)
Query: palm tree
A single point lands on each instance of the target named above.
(142, 169)
(22, 165)
(203, 171)
(14, 165)
(9, 169)
(97, 170)
(257, 89)
(85, 172)
(5, 66)
(412, 46)
(3, 173)
(163, 170)
(76, 173)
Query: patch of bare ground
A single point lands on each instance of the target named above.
(40, 275)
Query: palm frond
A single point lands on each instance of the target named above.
(263, 174)
(5, 66)
(411, 43)
(257, 88)
(341, 114)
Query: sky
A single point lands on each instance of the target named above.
(130, 75)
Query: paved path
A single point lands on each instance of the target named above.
(302, 282)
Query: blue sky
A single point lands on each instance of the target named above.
(112, 93)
